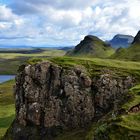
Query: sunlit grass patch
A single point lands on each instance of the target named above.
(7, 107)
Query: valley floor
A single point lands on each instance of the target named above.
(9, 62)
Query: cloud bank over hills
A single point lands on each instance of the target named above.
(55, 22)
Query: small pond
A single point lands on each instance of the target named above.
(4, 78)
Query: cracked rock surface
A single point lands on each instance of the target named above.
(49, 97)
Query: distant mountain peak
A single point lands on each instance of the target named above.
(121, 40)
(130, 53)
(123, 35)
(137, 38)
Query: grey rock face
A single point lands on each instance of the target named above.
(54, 96)
(49, 96)
(111, 93)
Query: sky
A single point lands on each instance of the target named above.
(65, 22)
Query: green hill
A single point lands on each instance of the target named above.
(130, 53)
(92, 46)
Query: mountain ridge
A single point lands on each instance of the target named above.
(121, 40)
(92, 46)
(130, 53)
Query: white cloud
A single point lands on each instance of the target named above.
(6, 13)
(5, 25)
(8, 19)
(67, 22)
(63, 18)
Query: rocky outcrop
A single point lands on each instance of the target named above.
(51, 98)
(111, 93)
(137, 38)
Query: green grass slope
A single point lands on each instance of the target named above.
(7, 107)
(92, 46)
(131, 53)
(9, 62)
(95, 65)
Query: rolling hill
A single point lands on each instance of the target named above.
(92, 46)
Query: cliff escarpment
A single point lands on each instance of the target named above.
(51, 99)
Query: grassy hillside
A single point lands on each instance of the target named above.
(44, 53)
(7, 107)
(131, 53)
(9, 62)
(92, 46)
(95, 65)
(96, 61)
